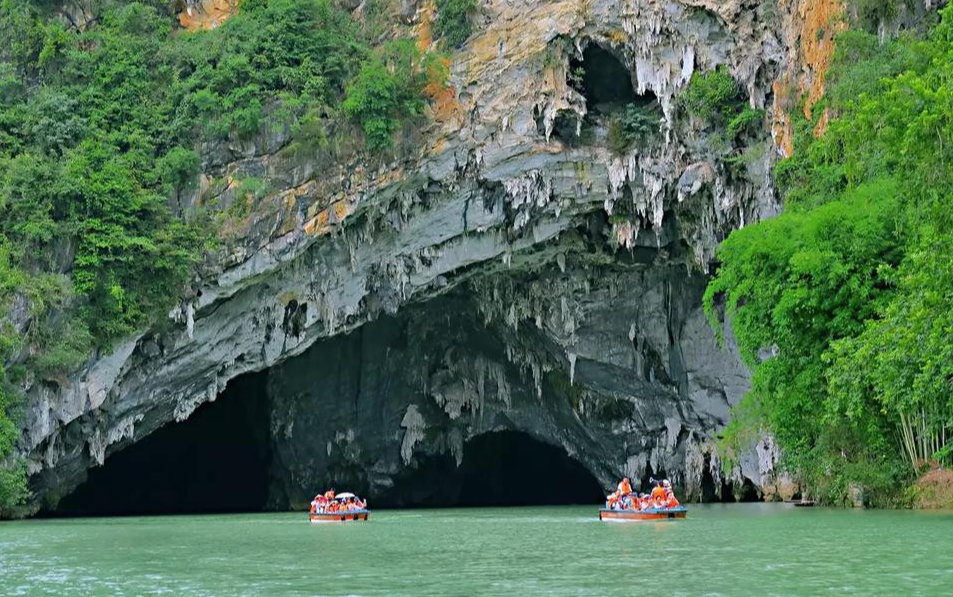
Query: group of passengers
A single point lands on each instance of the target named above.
(330, 502)
(623, 498)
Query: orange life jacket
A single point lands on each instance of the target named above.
(658, 493)
(670, 498)
(625, 487)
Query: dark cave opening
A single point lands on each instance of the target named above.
(712, 491)
(214, 461)
(500, 468)
(723, 491)
(748, 493)
(605, 82)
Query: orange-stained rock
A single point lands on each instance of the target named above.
(816, 24)
(207, 14)
(324, 222)
(781, 127)
(444, 103)
(425, 29)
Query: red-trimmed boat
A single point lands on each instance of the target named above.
(342, 516)
(676, 513)
(332, 513)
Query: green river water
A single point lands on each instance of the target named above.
(760, 550)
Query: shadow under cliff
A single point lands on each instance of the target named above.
(215, 461)
(500, 468)
(443, 405)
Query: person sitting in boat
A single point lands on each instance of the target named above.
(315, 503)
(329, 494)
(658, 492)
(645, 502)
(670, 500)
(625, 488)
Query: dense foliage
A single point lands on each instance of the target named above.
(387, 90)
(717, 98)
(100, 129)
(633, 124)
(453, 23)
(842, 305)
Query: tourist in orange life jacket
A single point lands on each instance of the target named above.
(329, 494)
(625, 488)
(658, 492)
(670, 500)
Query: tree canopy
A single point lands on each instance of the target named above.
(842, 305)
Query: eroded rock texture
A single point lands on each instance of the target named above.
(569, 275)
(621, 372)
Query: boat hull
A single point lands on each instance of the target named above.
(350, 516)
(642, 515)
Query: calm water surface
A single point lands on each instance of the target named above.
(756, 550)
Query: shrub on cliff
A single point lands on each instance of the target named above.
(631, 125)
(453, 21)
(12, 474)
(389, 89)
(717, 99)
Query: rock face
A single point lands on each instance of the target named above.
(621, 372)
(528, 278)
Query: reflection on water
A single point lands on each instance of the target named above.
(763, 550)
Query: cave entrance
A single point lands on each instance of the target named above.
(500, 468)
(214, 461)
(509, 468)
(604, 81)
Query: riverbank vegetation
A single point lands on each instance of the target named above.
(843, 305)
(102, 126)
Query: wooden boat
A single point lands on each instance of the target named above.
(638, 515)
(339, 515)
(343, 516)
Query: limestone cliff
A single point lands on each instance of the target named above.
(568, 275)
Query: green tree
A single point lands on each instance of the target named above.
(849, 289)
(453, 23)
(387, 89)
